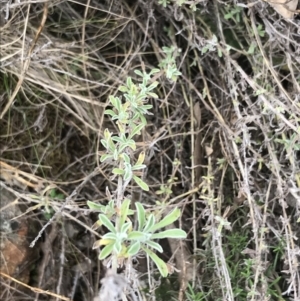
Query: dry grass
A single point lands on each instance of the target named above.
(231, 120)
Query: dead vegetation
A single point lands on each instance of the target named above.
(224, 139)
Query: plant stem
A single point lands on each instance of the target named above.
(118, 205)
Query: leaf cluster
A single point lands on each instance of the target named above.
(126, 242)
(122, 241)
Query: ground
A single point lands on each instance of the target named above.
(221, 143)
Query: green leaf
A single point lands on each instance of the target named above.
(102, 242)
(136, 130)
(55, 195)
(161, 265)
(155, 246)
(128, 173)
(96, 225)
(154, 70)
(140, 215)
(141, 183)
(129, 82)
(107, 223)
(167, 220)
(111, 146)
(95, 206)
(116, 102)
(118, 247)
(123, 89)
(150, 223)
(52, 193)
(104, 143)
(106, 251)
(124, 211)
(112, 100)
(110, 112)
(141, 158)
(138, 167)
(146, 107)
(134, 248)
(118, 171)
(152, 86)
(138, 72)
(126, 158)
(251, 48)
(97, 244)
(109, 236)
(153, 95)
(138, 235)
(107, 134)
(126, 227)
(115, 154)
(131, 143)
(117, 139)
(171, 233)
(143, 119)
(130, 212)
(105, 157)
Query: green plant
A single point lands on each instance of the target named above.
(192, 4)
(168, 64)
(233, 13)
(164, 189)
(289, 144)
(191, 295)
(164, 3)
(122, 241)
(211, 45)
(46, 201)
